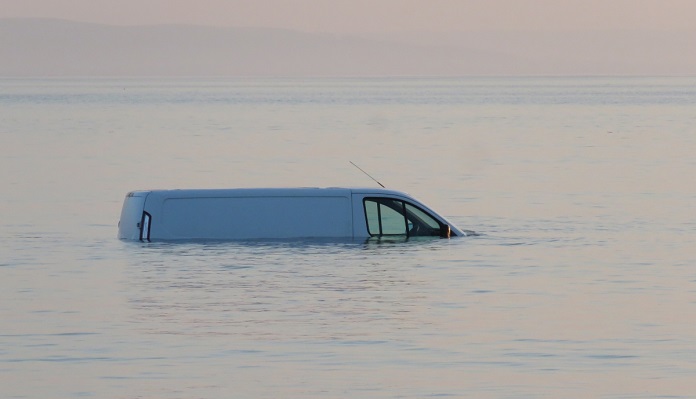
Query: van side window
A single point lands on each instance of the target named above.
(372, 215)
(386, 216)
(425, 221)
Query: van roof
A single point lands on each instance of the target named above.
(271, 191)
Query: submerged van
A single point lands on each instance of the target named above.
(278, 213)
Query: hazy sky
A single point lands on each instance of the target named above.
(363, 16)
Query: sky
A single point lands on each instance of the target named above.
(372, 16)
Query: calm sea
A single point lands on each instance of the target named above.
(582, 283)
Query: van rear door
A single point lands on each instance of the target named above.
(130, 226)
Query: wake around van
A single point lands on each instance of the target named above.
(278, 213)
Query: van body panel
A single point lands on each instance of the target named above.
(264, 213)
(253, 217)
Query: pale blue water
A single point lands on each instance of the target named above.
(582, 284)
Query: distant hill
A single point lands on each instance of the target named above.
(48, 47)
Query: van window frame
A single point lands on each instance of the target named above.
(145, 226)
(405, 213)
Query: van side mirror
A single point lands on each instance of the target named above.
(445, 231)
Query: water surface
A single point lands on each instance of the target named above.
(582, 283)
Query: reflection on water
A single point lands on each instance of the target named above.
(581, 283)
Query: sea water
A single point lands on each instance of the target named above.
(582, 282)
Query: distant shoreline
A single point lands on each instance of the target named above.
(61, 48)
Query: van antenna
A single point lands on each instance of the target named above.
(368, 175)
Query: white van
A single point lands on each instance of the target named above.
(278, 213)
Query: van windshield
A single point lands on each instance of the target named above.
(392, 217)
